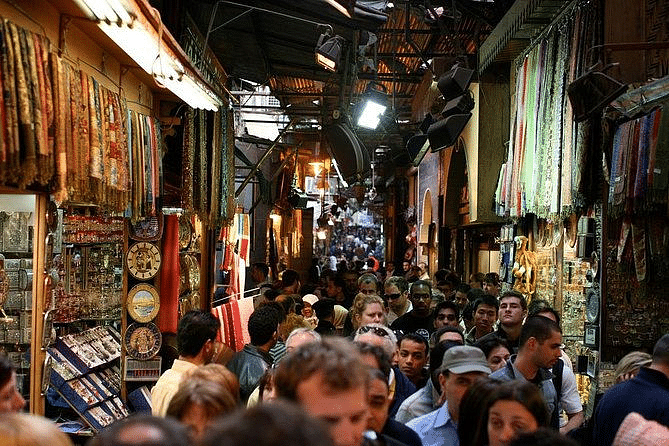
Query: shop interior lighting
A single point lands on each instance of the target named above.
(346, 7)
(374, 105)
(328, 50)
(117, 19)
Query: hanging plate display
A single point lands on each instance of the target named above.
(185, 233)
(195, 300)
(143, 260)
(142, 341)
(143, 303)
(189, 279)
(147, 229)
(184, 305)
(592, 306)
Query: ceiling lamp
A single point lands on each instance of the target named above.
(328, 50)
(343, 6)
(454, 86)
(375, 103)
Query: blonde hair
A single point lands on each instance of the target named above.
(293, 321)
(217, 373)
(22, 429)
(360, 303)
(631, 363)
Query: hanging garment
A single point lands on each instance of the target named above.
(639, 246)
(244, 237)
(245, 311)
(169, 276)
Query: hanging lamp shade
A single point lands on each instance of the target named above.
(593, 91)
(444, 133)
(455, 82)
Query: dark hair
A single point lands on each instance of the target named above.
(195, 329)
(323, 308)
(446, 304)
(550, 310)
(517, 295)
(492, 277)
(525, 393)
(437, 355)
(266, 425)
(473, 415)
(278, 306)
(418, 339)
(262, 324)
(420, 282)
(661, 350)
(6, 370)
(265, 380)
(486, 299)
(478, 277)
(172, 433)
(338, 281)
(382, 358)
(468, 311)
(212, 396)
(449, 328)
(463, 288)
(289, 277)
(262, 267)
(271, 294)
(398, 281)
(542, 437)
(488, 343)
(475, 293)
(539, 328)
(335, 359)
(368, 278)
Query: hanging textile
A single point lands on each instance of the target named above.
(188, 161)
(227, 167)
(169, 275)
(245, 310)
(145, 161)
(538, 177)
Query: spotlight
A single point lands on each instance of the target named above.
(593, 91)
(328, 51)
(374, 105)
(454, 85)
(343, 6)
(445, 133)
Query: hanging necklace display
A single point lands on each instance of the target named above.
(143, 260)
(147, 229)
(143, 303)
(142, 341)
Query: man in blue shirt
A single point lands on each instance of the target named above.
(460, 368)
(647, 394)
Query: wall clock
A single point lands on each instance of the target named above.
(143, 303)
(142, 341)
(143, 260)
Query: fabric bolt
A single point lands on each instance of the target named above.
(245, 309)
(169, 276)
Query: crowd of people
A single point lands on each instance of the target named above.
(370, 358)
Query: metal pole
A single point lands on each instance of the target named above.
(263, 158)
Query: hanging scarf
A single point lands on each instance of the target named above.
(188, 161)
(4, 125)
(59, 83)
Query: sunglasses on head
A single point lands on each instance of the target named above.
(376, 330)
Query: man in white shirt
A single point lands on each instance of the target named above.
(195, 342)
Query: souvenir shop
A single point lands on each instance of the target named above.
(584, 190)
(114, 185)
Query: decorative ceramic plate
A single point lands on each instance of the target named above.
(143, 303)
(148, 229)
(592, 306)
(142, 341)
(185, 233)
(143, 260)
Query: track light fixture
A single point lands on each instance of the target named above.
(328, 50)
(375, 103)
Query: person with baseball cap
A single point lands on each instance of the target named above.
(461, 367)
